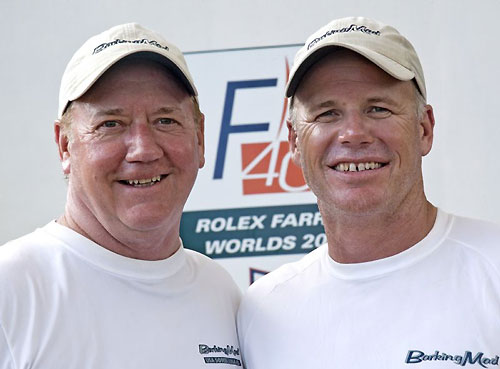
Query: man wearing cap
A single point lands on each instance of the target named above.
(399, 282)
(109, 284)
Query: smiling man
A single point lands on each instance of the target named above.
(399, 282)
(109, 284)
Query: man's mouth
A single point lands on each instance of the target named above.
(145, 182)
(358, 167)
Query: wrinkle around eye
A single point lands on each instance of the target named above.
(379, 112)
(167, 124)
(108, 128)
(327, 117)
(111, 125)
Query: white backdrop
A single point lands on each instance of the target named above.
(457, 42)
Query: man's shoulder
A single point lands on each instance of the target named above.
(24, 262)
(17, 251)
(479, 237)
(285, 280)
(212, 273)
(203, 263)
(476, 233)
(287, 273)
(283, 277)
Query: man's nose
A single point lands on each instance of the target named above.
(143, 145)
(355, 130)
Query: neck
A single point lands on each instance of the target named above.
(357, 238)
(144, 245)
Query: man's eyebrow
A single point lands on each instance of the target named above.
(119, 111)
(373, 100)
(325, 104)
(384, 99)
(166, 110)
(105, 112)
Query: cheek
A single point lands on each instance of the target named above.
(312, 142)
(107, 154)
(405, 145)
(183, 151)
(97, 159)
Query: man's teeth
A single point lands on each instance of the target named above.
(353, 167)
(144, 181)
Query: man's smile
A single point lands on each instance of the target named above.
(357, 167)
(143, 182)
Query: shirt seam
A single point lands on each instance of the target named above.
(9, 347)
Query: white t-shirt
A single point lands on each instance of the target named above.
(68, 303)
(434, 305)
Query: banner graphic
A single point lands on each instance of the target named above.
(274, 230)
(250, 208)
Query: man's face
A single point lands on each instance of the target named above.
(357, 136)
(135, 150)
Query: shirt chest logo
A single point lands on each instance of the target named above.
(467, 358)
(214, 354)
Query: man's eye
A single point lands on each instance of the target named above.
(379, 110)
(166, 121)
(327, 114)
(110, 124)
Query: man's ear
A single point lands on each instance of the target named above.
(200, 134)
(62, 142)
(292, 142)
(426, 130)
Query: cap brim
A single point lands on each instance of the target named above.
(391, 67)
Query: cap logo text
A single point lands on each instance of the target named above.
(351, 28)
(118, 41)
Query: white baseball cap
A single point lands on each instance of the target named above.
(383, 45)
(102, 51)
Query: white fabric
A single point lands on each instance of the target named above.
(434, 305)
(67, 303)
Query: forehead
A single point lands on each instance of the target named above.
(343, 68)
(142, 73)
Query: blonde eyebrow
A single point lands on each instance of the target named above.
(327, 104)
(116, 111)
(119, 111)
(166, 110)
(373, 100)
(384, 99)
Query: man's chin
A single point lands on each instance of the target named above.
(145, 220)
(356, 203)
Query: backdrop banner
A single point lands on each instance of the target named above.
(250, 208)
